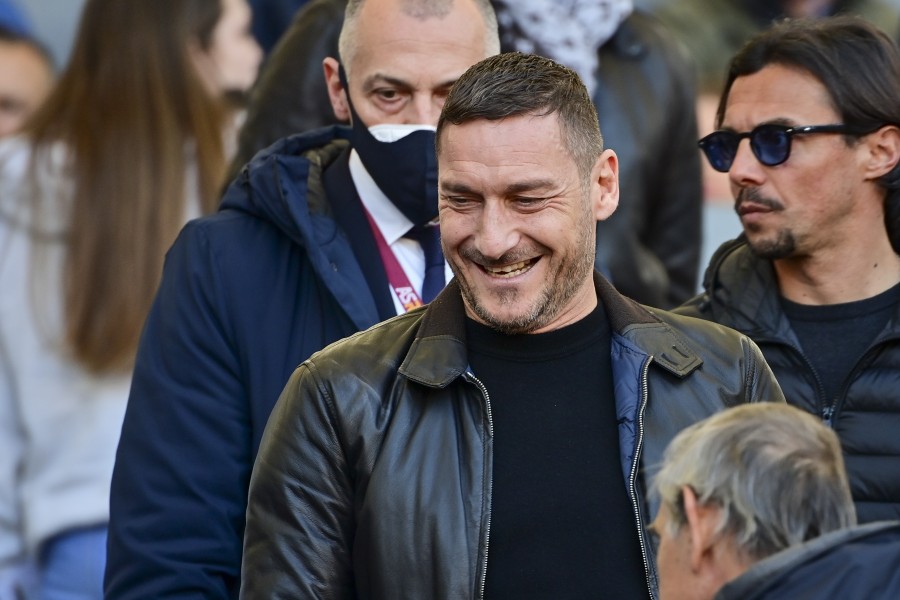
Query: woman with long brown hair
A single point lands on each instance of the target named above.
(132, 142)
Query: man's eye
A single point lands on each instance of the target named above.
(387, 94)
(459, 201)
(528, 202)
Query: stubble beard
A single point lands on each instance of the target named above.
(554, 296)
(783, 245)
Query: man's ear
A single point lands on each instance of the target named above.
(883, 148)
(702, 524)
(605, 185)
(336, 91)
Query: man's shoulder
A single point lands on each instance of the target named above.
(725, 355)
(314, 147)
(739, 289)
(694, 327)
(380, 348)
(275, 195)
(860, 561)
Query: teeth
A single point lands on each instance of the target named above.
(510, 270)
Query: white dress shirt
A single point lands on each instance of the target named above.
(393, 224)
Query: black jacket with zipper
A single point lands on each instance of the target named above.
(741, 292)
(374, 476)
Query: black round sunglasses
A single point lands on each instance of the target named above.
(770, 143)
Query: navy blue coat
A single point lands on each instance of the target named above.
(853, 563)
(247, 294)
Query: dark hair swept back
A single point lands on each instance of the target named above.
(857, 63)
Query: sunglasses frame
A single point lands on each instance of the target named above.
(789, 132)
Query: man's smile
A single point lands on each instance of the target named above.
(513, 270)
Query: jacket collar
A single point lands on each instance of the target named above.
(283, 183)
(743, 292)
(438, 354)
(759, 579)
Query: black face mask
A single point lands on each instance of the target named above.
(405, 170)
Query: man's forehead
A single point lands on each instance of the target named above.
(405, 80)
(514, 154)
(778, 94)
(386, 28)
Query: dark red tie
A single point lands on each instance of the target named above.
(429, 237)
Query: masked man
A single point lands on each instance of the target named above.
(320, 236)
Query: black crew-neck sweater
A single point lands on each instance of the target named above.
(562, 524)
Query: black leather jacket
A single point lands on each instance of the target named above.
(374, 478)
(741, 292)
(645, 98)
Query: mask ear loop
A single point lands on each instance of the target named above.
(342, 77)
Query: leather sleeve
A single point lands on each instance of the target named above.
(290, 95)
(299, 517)
(761, 385)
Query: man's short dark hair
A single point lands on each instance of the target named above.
(857, 63)
(513, 84)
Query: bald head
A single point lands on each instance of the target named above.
(421, 10)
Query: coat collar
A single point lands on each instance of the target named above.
(438, 354)
(743, 294)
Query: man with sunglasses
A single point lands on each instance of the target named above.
(815, 278)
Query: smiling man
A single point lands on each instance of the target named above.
(497, 443)
(809, 134)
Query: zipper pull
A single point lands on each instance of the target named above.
(828, 415)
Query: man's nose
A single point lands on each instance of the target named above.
(746, 168)
(424, 110)
(497, 233)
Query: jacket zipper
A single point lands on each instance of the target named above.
(826, 412)
(487, 534)
(829, 412)
(634, 467)
(828, 407)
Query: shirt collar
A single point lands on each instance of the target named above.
(392, 223)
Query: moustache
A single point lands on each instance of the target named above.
(755, 196)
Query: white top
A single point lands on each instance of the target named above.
(59, 424)
(393, 224)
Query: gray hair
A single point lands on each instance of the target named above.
(418, 9)
(513, 84)
(775, 472)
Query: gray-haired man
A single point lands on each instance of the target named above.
(756, 505)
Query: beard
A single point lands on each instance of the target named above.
(560, 288)
(782, 245)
